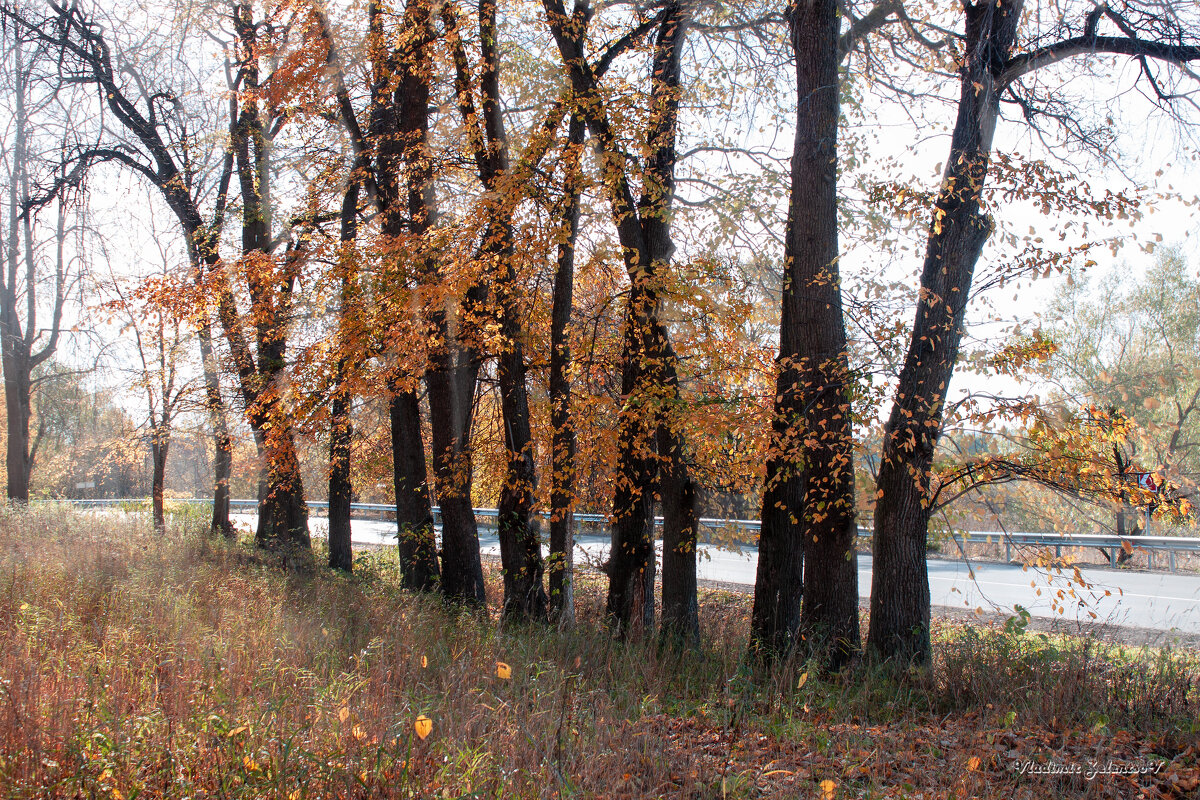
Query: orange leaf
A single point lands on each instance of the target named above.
(423, 726)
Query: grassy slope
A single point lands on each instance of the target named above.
(138, 665)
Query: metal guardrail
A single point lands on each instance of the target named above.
(1115, 544)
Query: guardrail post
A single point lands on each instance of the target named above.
(1150, 558)
(1007, 549)
(1112, 557)
(1172, 559)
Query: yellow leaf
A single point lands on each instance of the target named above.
(803, 679)
(424, 662)
(116, 794)
(237, 730)
(973, 763)
(250, 764)
(359, 733)
(343, 714)
(827, 787)
(503, 671)
(423, 726)
(294, 794)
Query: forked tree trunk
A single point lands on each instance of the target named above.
(451, 381)
(807, 542)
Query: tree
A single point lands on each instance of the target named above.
(563, 441)
(809, 530)
(991, 68)
(154, 139)
(650, 449)
(39, 269)
(1116, 425)
(159, 340)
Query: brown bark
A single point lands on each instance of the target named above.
(561, 563)
(520, 548)
(899, 627)
(341, 427)
(414, 516)
(159, 447)
(20, 277)
(649, 381)
(807, 543)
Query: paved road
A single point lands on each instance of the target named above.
(1157, 601)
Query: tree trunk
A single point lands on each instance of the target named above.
(19, 410)
(282, 512)
(158, 455)
(631, 564)
(222, 442)
(451, 383)
(520, 548)
(899, 628)
(341, 490)
(680, 609)
(341, 427)
(649, 380)
(807, 542)
(414, 516)
(561, 564)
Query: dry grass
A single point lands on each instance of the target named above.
(134, 665)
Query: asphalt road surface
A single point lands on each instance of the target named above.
(1150, 600)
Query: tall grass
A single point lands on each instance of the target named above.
(134, 664)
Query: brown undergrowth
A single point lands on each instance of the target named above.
(138, 665)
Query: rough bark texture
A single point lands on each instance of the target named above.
(414, 516)
(451, 383)
(899, 627)
(680, 608)
(807, 543)
(159, 449)
(214, 404)
(561, 563)
(341, 428)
